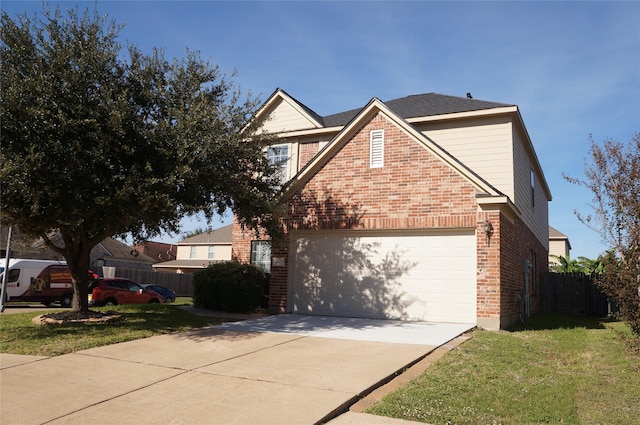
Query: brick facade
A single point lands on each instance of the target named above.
(414, 190)
(307, 151)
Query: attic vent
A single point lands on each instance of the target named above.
(376, 149)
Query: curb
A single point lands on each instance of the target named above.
(406, 376)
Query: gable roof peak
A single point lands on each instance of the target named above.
(304, 107)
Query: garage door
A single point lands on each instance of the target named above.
(399, 276)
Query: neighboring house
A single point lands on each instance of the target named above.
(197, 252)
(108, 253)
(428, 207)
(23, 246)
(113, 253)
(158, 251)
(558, 245)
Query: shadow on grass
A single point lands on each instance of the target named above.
(19, 335)
(549, 321)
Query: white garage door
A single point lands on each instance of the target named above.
(411, 277)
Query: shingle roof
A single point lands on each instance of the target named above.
(117, 250)
(159, 251)
(556, 234)
(420, 105)
(221, 235)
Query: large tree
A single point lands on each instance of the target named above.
(612, 174)
(99, 140)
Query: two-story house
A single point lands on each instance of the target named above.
(428, 207)
(559, 245)
(197, 252)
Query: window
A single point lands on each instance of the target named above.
(211, 254)
(261, 255)
(13, 276)
(133, 287)
(279, 157)
(533, 187)
(376, 148)
(193, 251)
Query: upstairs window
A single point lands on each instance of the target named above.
(279, 157)
(193, 251)
(211, 253)
(376, 149)
(533, 189)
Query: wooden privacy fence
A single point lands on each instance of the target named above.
(572, 293)
(180, 283)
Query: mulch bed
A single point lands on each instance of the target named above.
(62, 317)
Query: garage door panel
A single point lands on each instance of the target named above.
(416, 277)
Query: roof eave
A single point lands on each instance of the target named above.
(465, 114)
(501, 203)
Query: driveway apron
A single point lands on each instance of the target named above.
(285, 369)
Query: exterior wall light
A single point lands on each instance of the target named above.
(488, 230)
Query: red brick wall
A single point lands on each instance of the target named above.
(306, 151)
(489, 263)
(414, 189)
(519, 244)
(241, 252)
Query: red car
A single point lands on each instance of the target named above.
(113, 291)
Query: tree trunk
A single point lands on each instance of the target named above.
(79, 269)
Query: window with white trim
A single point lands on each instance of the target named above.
(261, 255)
(193, 251)
(533, 189)
(211, 253)
(376, 148)
(279, 157)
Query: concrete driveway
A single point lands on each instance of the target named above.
(285, 369)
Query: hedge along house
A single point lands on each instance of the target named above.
(427, 207)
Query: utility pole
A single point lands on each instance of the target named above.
(3, 293)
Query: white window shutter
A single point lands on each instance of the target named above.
(377, 149)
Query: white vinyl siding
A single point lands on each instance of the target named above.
(529, 197)
(284, 116)
(376, 149)
(483, 145)
(559, 248)
(202, 252)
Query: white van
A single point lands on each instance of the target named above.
(42, 281)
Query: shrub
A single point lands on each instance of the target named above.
(228, 286)
(622, 283)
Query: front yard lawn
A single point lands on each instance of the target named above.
(557, 370)
(19, 335)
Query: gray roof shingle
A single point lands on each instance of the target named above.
(221, 235)
(420, 105)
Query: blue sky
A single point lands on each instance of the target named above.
(573, 68)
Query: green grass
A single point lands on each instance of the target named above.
(19, 335)
(557, 370)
